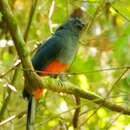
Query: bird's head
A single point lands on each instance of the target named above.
(76, 24)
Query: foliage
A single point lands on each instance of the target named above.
(102, 58)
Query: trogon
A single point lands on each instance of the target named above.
(56, 54)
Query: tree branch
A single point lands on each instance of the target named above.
(69, 88)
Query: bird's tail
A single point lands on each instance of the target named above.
(30, 110)
(31, 113)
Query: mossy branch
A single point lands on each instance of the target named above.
(55, 85)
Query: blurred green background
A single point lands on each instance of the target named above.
(104, 54)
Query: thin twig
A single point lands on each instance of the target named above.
(80, 73)
(114, 84)
(7, 99)
(94, 16)
(67, 73)
(122, 15)
(19, 115)
(76, 113)
(112, 121)
(32, 10)
(93, 113)
(16, 64)
(50, 15)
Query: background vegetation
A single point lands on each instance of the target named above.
(101, 66)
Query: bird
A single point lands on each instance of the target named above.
(56, 54)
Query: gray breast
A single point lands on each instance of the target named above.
(69, 50)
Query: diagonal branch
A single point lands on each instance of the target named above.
(69, 88)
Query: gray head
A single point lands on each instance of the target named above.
(76, 24)
(73, 24)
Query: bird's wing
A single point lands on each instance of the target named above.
(47, 52)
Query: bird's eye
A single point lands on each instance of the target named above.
(60, 28)
(78, 24)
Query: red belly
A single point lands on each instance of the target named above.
(53, 68)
